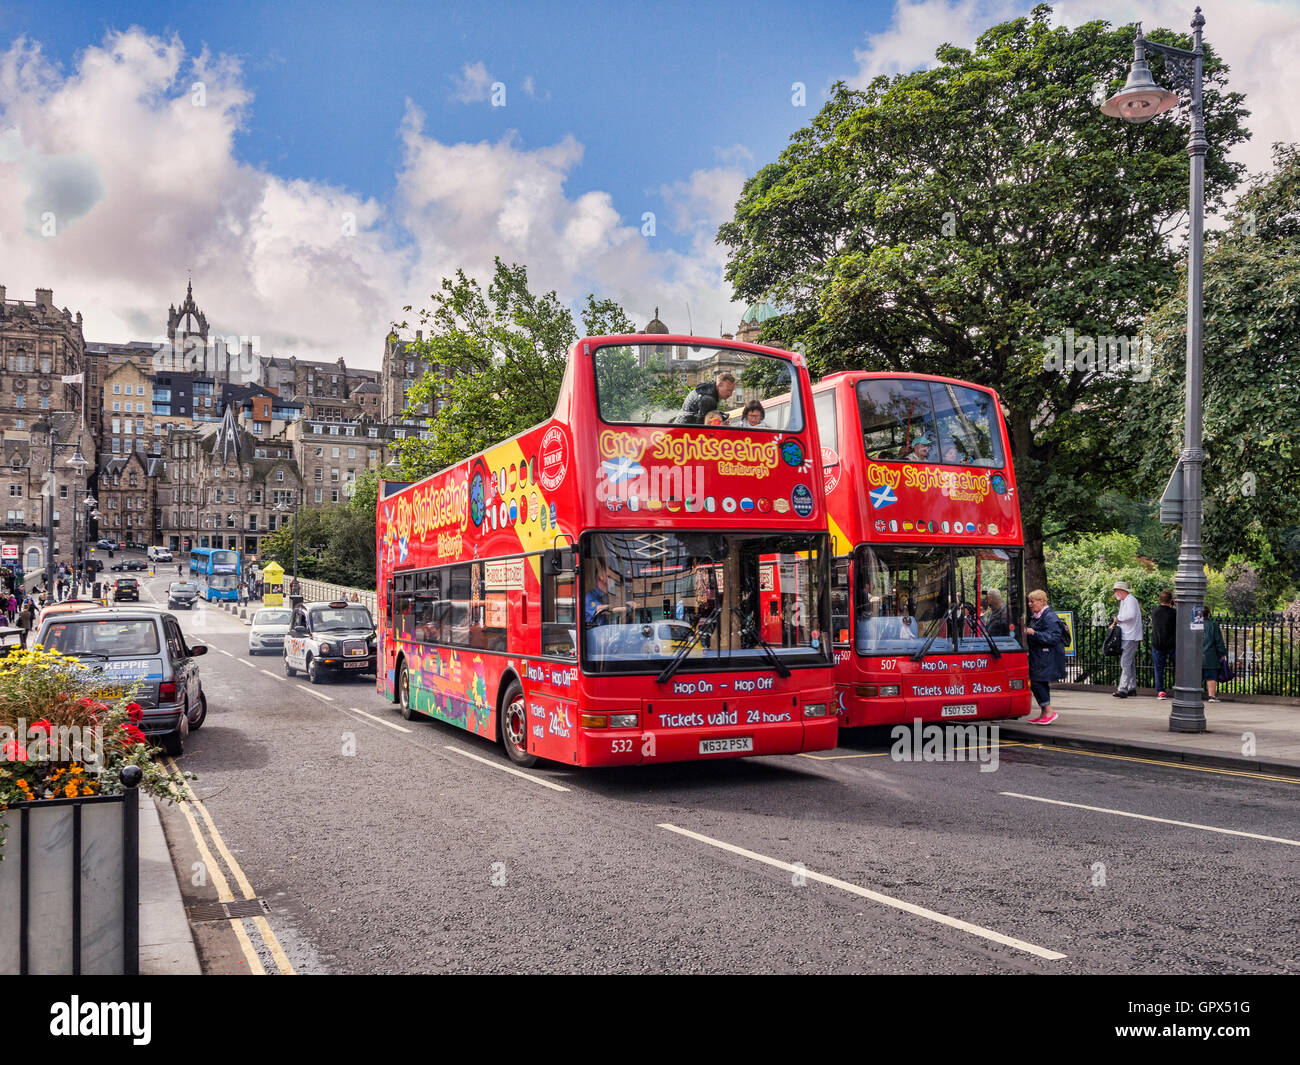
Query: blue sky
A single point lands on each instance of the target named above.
(652, 93)
(345, 157)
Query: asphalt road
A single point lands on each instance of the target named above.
(381, 846)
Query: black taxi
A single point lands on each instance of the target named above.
(334, 638)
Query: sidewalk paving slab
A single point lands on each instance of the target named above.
(166, 944)
(1097, 721)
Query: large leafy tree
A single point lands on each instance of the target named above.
(500, 357)
(953, 220)
(1251, 377)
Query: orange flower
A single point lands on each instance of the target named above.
(70, 791)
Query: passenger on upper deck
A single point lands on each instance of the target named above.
(920, 451)
(754, 414)
(706, 397)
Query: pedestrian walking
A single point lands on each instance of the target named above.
(1129, 620)
(1164, 636)
(11, 608)
(1046, 654)
(25, 622)
(1214, 650)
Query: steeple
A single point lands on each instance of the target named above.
(225, 447)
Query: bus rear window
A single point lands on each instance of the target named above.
(905, 420)
(668, 384)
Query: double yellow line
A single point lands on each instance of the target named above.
(224, 894)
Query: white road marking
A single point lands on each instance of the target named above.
(318, 695)
(874, 896)
(1158, 820)
(273, 676)
(508, 769)
(380, 720)
(246, 662)
(225, 652)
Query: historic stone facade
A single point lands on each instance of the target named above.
(128, 498)
(39, 345)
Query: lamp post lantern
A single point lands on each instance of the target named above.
(285, 508)
(1139, 101)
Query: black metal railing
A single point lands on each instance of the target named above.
(1264, 652)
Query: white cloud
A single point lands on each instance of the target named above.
(734, 154)
(309, 267)
(473, 85)
(1258, 39)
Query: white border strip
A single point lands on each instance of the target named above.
(875, 896)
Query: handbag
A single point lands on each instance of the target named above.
(1226, 672)
(1113, 646)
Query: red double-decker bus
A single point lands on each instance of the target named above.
(642, 578)
(927, 579)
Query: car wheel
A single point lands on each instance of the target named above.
(174, 743)
(514, 726)
(404, 694)
(314, 673)
(197, 723)
(289, 671)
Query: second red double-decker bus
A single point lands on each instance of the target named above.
(927, 593)
(642, 578)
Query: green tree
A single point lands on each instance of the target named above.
(313, 537)
(1251, 382)
(955, 220)
(500, 358)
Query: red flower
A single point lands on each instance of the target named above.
(134, 712)
(13, 751)
(41, 726)
(133, 734)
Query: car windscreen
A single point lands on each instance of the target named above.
(115, 638)
(185, 587)
(271, 617)
(329, 619)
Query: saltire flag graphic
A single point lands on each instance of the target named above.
(882, 496)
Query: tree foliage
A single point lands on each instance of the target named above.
(336, 544)
(499, 359)
(1251, 382)
(953, 220)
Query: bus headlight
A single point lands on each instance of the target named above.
(890, 689)
(814, 710)
(622, 720)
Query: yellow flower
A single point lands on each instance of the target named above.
(70, 791)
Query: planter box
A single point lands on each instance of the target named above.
(70, 887)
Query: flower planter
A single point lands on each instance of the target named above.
(70, 885)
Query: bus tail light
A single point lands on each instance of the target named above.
(1017, 684)
(167, 691)
(814, 710)
(622, 720)
(591, 720)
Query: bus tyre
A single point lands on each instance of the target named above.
(289, 671)
(197, 723)
(314, 673)
(514, 726)
(404, 693)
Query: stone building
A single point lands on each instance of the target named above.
(401, 368)
(39, 346)
(331, 454)
(219, 485)
(128, 502)
(127, 414)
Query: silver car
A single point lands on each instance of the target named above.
(142, 648)
(270, 624)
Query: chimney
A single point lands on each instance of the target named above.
(45, 297)
(2, 299)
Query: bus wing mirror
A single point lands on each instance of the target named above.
(557, 560)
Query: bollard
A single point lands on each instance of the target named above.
(243, 613)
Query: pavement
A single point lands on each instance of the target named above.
(166, 944)
(1254, 736)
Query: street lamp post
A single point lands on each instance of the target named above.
(81, 576)
(285, 508)
(1140, 100)
(78, 463)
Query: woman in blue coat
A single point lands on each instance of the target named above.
(1046, 654)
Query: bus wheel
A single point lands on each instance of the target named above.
(514, 726)
(404, 693)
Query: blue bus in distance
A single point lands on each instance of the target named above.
(216, 570)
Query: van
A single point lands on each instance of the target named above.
(159, 554)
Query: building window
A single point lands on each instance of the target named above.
(279, 475)
(117, 390)
(20, 402)
(334, 495)
(128, 390)
(319, 494)
(320, 474)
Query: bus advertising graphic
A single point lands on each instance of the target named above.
(623, 583)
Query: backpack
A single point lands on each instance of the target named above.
(1113, 646)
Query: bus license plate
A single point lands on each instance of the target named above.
(727, 746)
(960, 710)
(354, 665)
